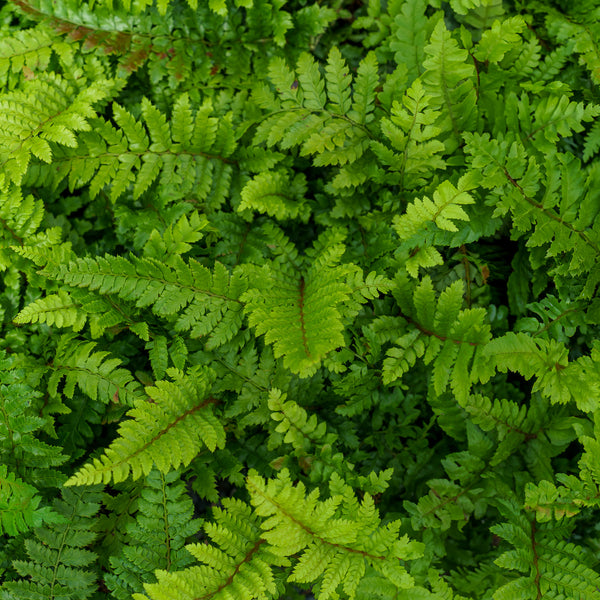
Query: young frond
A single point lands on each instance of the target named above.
(166, 431)
(298, 312)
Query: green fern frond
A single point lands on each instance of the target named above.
(410, 33)
(557, 378)
(277, 194)
(297, 309)
(204, 303)
(20, 508)
(30, 50)
(416, 151)
(548, 565)
(504, 36)
(194, 152)
(440, 332)
(157, 537)
(307, 116)
(237, 564)
(59, 565)
(449, 81)
(336, 539)
(47, 116)
(95, 373)
(168, 431)
(54, 309)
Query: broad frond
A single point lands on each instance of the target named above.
(193, 152)
(202, 302)
(167, 431)
(298, 310)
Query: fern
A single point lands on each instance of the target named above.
(167, 289)
(61, 110)
(156, 539)
(58, 560)
(557, 567)
(167, 432)
(334, 549)
(448, 79)
(440, 332)
(310, 288)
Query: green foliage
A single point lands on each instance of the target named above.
(299, 300)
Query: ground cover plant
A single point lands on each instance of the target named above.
(299, 300)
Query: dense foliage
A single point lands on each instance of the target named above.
(299, 300)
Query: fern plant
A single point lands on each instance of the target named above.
(299, 300)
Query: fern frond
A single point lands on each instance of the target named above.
(557, 378)
(30, 50)
(276, 194)
(54, 309)
(440, 332)
(157, 537)
(20, 505)
(297, 310)
(95, 373)
(337, 538)
(449, 81)
(20, 219)
(206, 303)
(410, 33)
(504, 36)
(60, 565)
(135, 154)
(167, 431)
(561, 217)
(44, 117)
(237, 564)
(410, 130)
(302, 116)
(547, 565)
